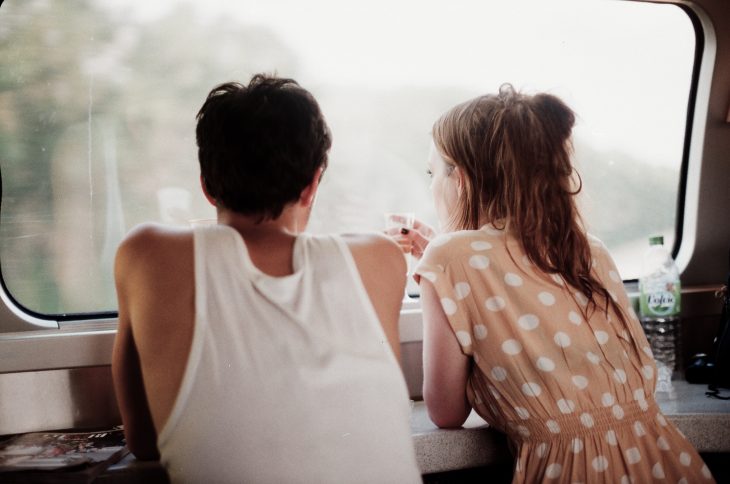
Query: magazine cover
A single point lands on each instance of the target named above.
(52, 453)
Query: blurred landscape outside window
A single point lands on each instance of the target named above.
(98, 101)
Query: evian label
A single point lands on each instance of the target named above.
(663, 300)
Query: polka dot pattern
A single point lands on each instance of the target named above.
(571, 382)
(479, 262)
(545, 364)
(480, 245)
(449, 306)
(495, 303)
(562, 339)
(464, 338)
(546, 298)
(461, 290)
(499, 373)
(512, 279)
(528, 322)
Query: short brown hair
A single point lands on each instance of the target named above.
(260, 145)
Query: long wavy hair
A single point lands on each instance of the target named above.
(515, 153)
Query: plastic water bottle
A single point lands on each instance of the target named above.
(659, 306)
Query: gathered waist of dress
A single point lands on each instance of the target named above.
(640, 414)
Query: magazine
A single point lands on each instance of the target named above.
(60, 456)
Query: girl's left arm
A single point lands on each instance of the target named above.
(445, 367)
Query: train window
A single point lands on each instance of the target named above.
(98, 98)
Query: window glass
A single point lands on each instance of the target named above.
(98, 99)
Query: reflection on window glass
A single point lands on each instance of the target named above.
(98, 98)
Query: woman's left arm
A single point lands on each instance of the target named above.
(445, 367)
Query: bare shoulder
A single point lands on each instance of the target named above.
(375, 251)
(152, 245)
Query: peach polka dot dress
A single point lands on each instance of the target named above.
(575, 395)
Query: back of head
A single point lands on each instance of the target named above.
(260, 145)
(515, 152)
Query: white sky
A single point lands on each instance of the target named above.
(624, 67)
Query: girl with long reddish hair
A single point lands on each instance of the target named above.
(526, 319)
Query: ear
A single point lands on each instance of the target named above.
(310, 191)
(210, 199)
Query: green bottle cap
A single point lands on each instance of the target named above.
(656, 240)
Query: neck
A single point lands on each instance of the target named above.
(288, 223)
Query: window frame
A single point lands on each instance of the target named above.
(31, 341)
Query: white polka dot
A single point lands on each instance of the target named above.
(662, 421)
(523, 431)
(625, 480)
(495, 303)
(479, 261)
(566, 406)
(499, 373)
(706, 472)
(464, 338)
(575, 318)
(545, 364)
(619, 375)
(531, 389)
(562, 339)
(512, 279)
(576, 445)
(494, 392)
(461, 290)
(477, 399)
(449, 306)
(580, 381)
(658, 471)
(601, 337)
(618, 412)
(633, 455)
(643, 405)
(528, 322)
(685, 459)
(481, 245)
(662, 443)
(558, 280)
(581, 298)
(593, 358)
(611, 437)
(546, 298)
(553, 471)
(648, 371)
(586, 419)
(476, 358)
(639, 429)
(431, 276)
(639, 394)
(512, 347)
(607, 399)
(683, 481)
(614, 276)
(522, 413)
(648, 352)
(600, 463)
(553, 426)
(541, 450)
(480, 331)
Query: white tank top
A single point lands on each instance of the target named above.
(289, 379)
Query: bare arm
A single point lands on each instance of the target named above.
(139, 429)
(445, 367)
(383, 269)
